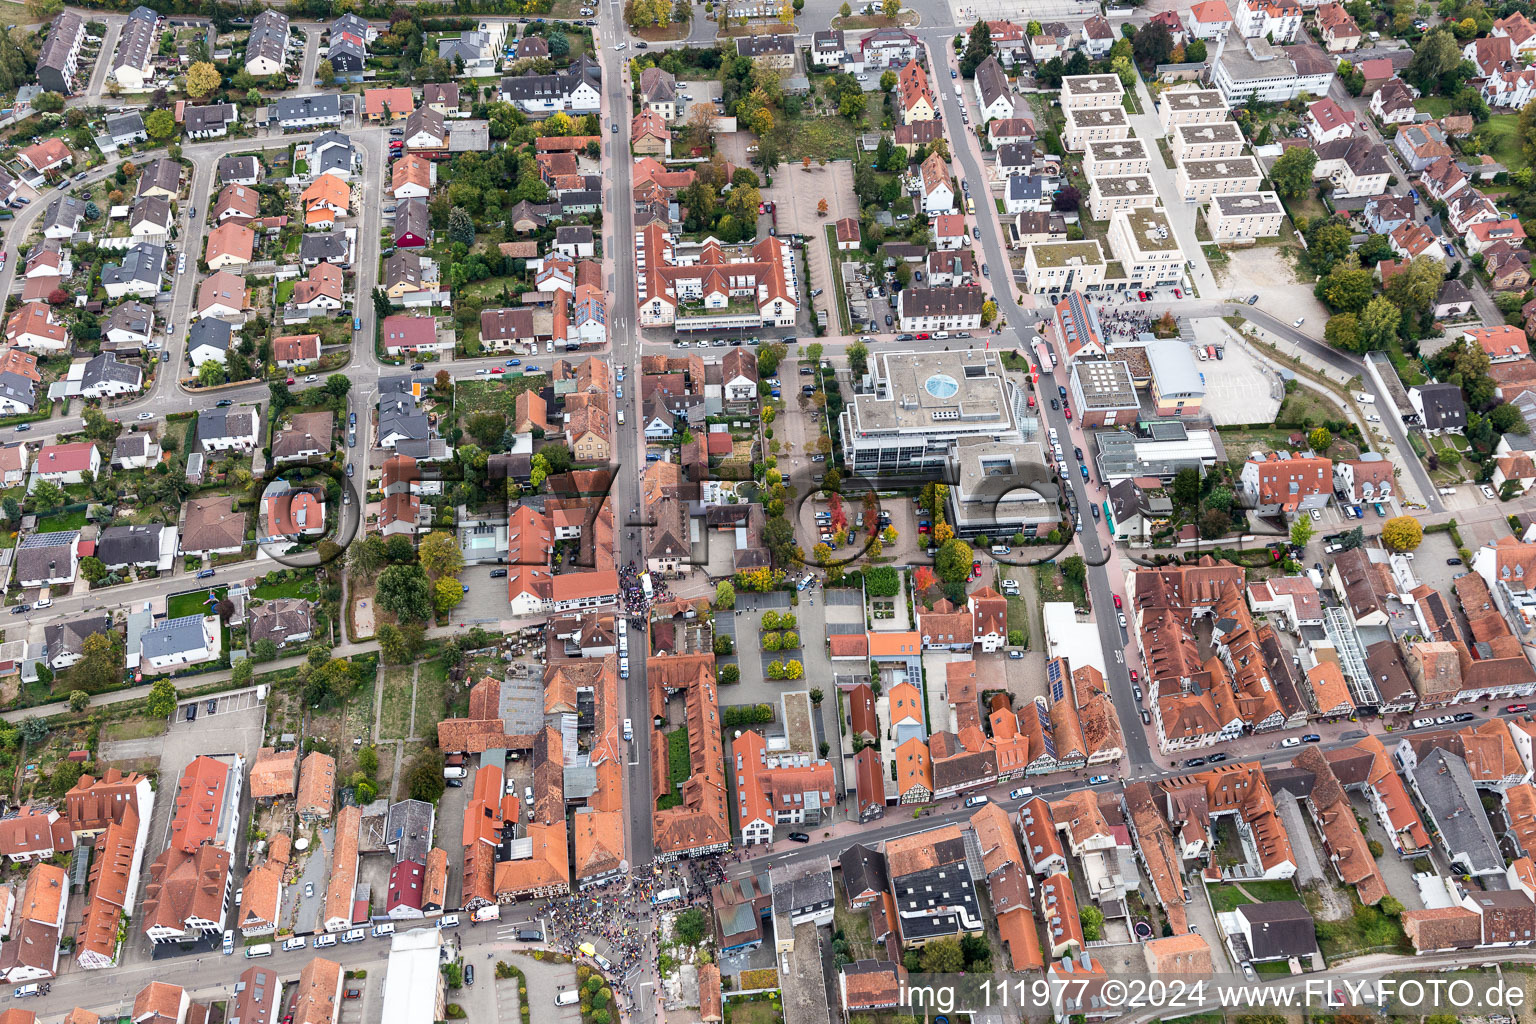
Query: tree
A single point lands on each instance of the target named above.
(162, 698)
(1343, 331)
(1402, 533)
(447, 594)
(93, 569)
(1292, 172)
(1378, 324)
(943, 956)
(977, 48)
(210, 374)
(34, 729)
(891, 8)
(1301, 531)
(440, 554)
(725, 595)
(1214, 523)
(405, 591)
(366, 556)
(264, 649)
(325, 71)
(392, 644)
(79, 700)
(845, 11)
(1125, 69)
(48, 103)
(1347, 288)
(1320, 439)
(1152, 45)
(337, 385)
(953, 561)
(47, 496)
(1437, 54)
(461, 226)
(1074, 570)
(888, 81)
(159, 124)
(424, 778)
(988, 311)
(1093, 922)
(1068, 199)
(1393, 907)
(1194, 51)
(202, 79)
(1186, 487)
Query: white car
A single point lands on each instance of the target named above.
(1317, 515)
(1299, 321)
(146, 416)
(310, 379)
(1290, 741)
(1489, 493)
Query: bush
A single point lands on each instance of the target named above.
(456, 1012)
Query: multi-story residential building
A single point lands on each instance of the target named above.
(1208, 141)
(1356, 166)
(1201, 179)
(59, 57)
(1279, 20)
(1116, 158)
(1056, 268)
(1106, 195)
(1142, 240)
(710, 287)
(1103, 392)
(1081, 91)
(1281, 483)
(1268, 73)
(939, 309)
(1189, 105)
(1244, 216)
(1095, 124)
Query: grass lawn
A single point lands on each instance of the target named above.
(753, 1010)
(1273, 967)
(1434, 106)
(431, 695)
(395, 715)
(837, 279)
(1303, 406)
(679, 767)
(1055, 587)
(285, 291)
(1368, 930)
(472, 396)
(288, 588)
(193, 603)
(58, 524)
(854, 924)
(1229, 897)
(493, 288)
(1504, 140)
(134, 729)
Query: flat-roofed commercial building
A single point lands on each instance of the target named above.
(1143, 242)
(1244, 216)
(1091, 91)
(1055, 268)
(1260, 71)
(1095, 124)
(923, 403)
(1207, 141)
(1113, 159)
(1002, 488)
(1104, 393)
(1191, 106)
(1108, 194)
(1201, 179)
(1178, 386)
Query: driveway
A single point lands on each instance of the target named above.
(305, 913)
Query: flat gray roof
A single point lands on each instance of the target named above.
(1124, 185)
(1105, 384)
(1213, 131)
(1097, 117)
(1194, 99)
(928, 391)
(1092, 85)
(1118, 149)
(1218, 170)
(1249, 203)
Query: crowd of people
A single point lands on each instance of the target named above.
(633, 598)
(1119, 325)
(617, 918)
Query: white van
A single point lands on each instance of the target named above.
(1000, 549)
(449, 921)
(1022, 793)
(623, 643)
(264, 949)
(297, 942)
(355, 935)
(322, 941)
(976, 801)
(381, 930)
(629, 729)
(623, 668)
(569, 997)
(44, 600)
(621, 417)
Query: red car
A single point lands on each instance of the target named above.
(1068, 410)
(1178, 293)
(1134, 676)
(922, 527)
(976, 568)
(290, 380)
(923, 336)
(1117, 600)
(497, 369)
(1514, 709)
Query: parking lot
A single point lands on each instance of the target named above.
(1238, 388)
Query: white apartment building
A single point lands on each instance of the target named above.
(1201, 179)
(939, 309)
(1092, 91)
(1244, 216)
(1056, 268)
(1144, 243)
(1207, 141)
(1191, 106)
(1114, 159)
(1095, 124)
(1126, 192)
(1258, 70)
(1279, 20)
